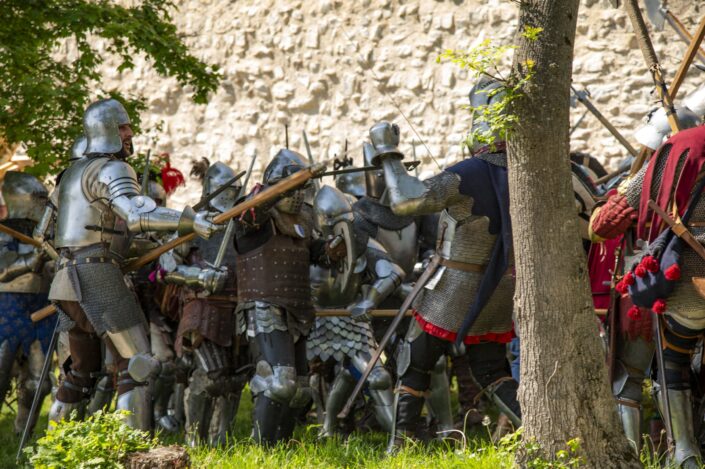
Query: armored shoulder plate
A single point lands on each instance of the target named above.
(86, 190)
(115, 178)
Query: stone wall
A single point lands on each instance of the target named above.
(334, 67)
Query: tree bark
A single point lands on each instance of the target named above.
(564, 392)
(163, 457)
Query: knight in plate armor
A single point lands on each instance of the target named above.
(44, 232)
(207, 328)
(24, 283)
(406, 238)
(99, 209)
(275, 249)
(669, 180)
(359, 282)
(468, 300)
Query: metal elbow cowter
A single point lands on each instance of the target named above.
(406, 193)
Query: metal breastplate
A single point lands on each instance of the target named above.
(327, 288)
(76, 211)
(402, 245)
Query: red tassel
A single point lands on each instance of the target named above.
(640, 271)
(171, 177)
(650, 263)
(673, 273)
(621, 287)
(629, 279)
(659, 306)
(634, 313)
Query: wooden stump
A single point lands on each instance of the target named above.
(164, 457)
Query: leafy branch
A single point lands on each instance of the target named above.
(44, 90)
(486, 59)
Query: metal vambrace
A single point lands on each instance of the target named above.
(24, 263)
(389, 277)
(142, 214)
(410, 196)
(406, 192)
(42, 228)
(194, 277)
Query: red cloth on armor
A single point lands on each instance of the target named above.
(436, 331)
(691, 140)
(600, 265)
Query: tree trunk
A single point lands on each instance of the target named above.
(163, 457)
(564, 391)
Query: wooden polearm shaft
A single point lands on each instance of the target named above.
(320, 313)
(687, 61)
(684, 34)
(21, 237)
(608, 125)
(270, 193)
(679, 229)
(647, 49)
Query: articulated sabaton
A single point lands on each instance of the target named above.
(367, 276)
(23, 290)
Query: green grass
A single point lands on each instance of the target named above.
(305, 450)
(359, 450)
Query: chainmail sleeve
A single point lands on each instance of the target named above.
(634, 189)
(633, 193)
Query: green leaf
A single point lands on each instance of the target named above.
(43, 96)
(531, 33)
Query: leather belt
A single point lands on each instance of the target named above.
(88, 260)
(464, 266)
(192, 295)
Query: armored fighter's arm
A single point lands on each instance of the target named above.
(197, 278)
(41, 229)
(407, 194)
(410, 196)
(117, 185)
(615, 216)
(386, 275)
(186, 268)
(16, 264)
